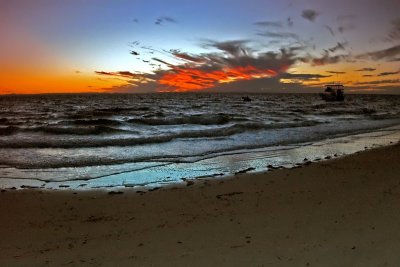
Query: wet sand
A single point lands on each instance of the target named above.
(341, 212)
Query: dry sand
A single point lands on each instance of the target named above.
(342, 212)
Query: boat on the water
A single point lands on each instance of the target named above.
(246, 98)
(333, 92)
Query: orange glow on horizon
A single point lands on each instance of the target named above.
(184, 80)
(35, 83)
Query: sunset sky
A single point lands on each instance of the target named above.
(58, 46)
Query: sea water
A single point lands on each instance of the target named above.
(101, 140)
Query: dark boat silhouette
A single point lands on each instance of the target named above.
(246, 98)
(333, 92)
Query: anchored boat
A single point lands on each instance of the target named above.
(333, 92)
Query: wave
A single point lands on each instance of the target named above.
(132, 141)
(104, 122)
(108, 112)
(200, 119)
(9, 130)
(55, 130)
(3, 121)
(119, 110)
(360, 111)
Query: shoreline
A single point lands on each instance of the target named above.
(224, 165)
(339, 212)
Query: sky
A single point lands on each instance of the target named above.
(58, 46)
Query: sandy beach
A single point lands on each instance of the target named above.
(341, 212)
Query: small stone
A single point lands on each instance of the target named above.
(115, 192)
(154, 189)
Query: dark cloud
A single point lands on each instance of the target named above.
(269, 23)
(330, 30)
(388, 73)
(162, 61)
(234, 62)
(385, 54)
(234, 48)
(366, 69)
(187, 57)
(325, 59)
(134, 53)
(104, 73)
(303, 76)
(336, 72)
(125, 74)
(162, 20)
(368, 75)
(309, 14)
(337, 47)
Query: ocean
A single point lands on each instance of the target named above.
(111, 140)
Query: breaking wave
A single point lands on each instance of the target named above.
(201, 119)
(131, 141)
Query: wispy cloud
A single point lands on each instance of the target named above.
(186, 56)
(394, 33)
(234, 48)
(388, 73)
(337, 47)
(269, 23)
(279, 35)
(326, 59)
(330, 30)
(162, 20)
(336, 72)
(385, 54)
(366, 69)
(133, 78)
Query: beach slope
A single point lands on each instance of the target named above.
(341, 212)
